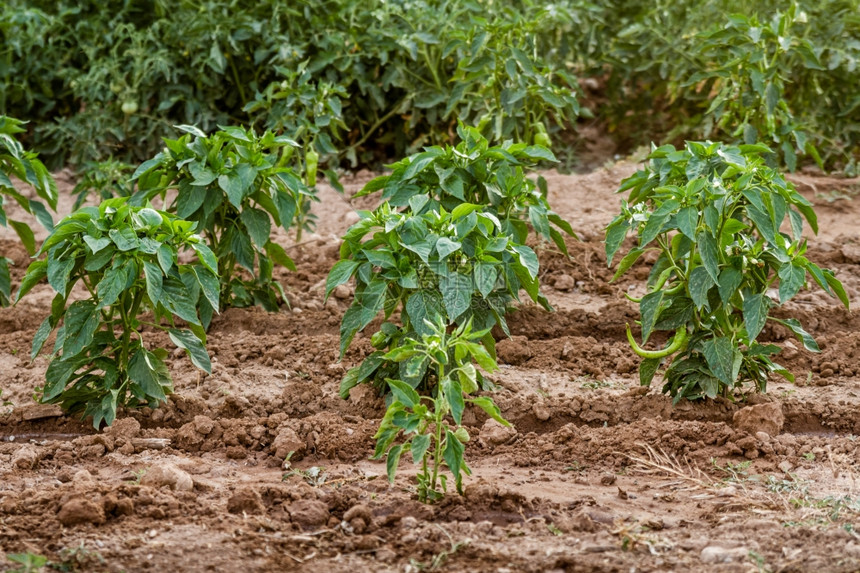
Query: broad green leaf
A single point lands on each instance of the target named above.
(456, 294)
(791, 280)
(154, 280)
(96, 245)
(445, 247)
(41, 336)
(420, 445)
(392, 461)
(730, 280)
(258, 224)
(720, 354)
(615, 234)
(59, 271)
(454, 394)
(25, 233)
(756, 308)
(700, 283)
(647, 369)
(794, 326)
(404, 393)
(124, 238)
(528, 259)
(204, 253)
(111, 286)
(194, 346)
(424, 305)
(710, 254)
(650, 310)
(687, 219)
(453, 455)
(80, 324)
(340, 273)
(147, 370)
(490, 408)
(486, 275)
(657, 220)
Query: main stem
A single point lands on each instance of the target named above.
(437, 454)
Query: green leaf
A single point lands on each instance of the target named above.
(340, 273)
(794, 326)
(700, 283)
(720, 355)
(204, 253)
(111, 286)
(456, 294)
(41, 336)
(237, 184)
(147, 370)
(710, 254)
(404, 393)
(59, 272)
(486, 275)
(124, 238)
(96, 245)
(528, 259)
(392, 461)
(730, 280)
(647, 369)
(756, 308)
(58, 374)
(258, 224)
(424, 305)
(687, 219)
(420, 445)
(26, 235)
(209, 285)
(656, 221)
(194, 346)
(627, 262)
(80, 324)
(154, 280)
(615, 234)
(650, 310)
(454, 394)
(445, 247)
(453, 455)
(791, 280)
(837, 287)
(490, 408)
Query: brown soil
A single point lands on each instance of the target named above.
(598, 474)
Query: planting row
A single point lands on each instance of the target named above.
(443, 259)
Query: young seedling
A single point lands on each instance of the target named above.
(127, 259)
(431, 426)
(713, 214)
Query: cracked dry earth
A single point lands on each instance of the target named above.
(597, 474)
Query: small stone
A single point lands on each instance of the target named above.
(762, 437)
(25, 457)
(166, 474)
(204, 425)
(309, 513)
(81, 510)
(716, 554)
(359, 511)
(246, 500)
(409, 522)
(564, 282)
(540, 411)
(82, 476)
(41, 411)
(785, 466)
(495, 434)
(767, 418)
(608, 479)
(288, 441)
(342, 292)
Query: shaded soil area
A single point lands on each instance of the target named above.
(263, 467)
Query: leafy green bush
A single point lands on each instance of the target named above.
(431, 440)
(713, 214)
(233, 185)
(24, 165)
(112, 78)
(447, 243)
(127, 259)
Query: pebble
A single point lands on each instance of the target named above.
(166, 474)
(717, 554)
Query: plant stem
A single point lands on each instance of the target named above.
(437, 453)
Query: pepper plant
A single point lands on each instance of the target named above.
(233, 184)
(456, 267)
(24, 165)
(127, 260)
(478, 173)
(425, 422)
(714, 215)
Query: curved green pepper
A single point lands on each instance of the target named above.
(312, 160)
(679, 342)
